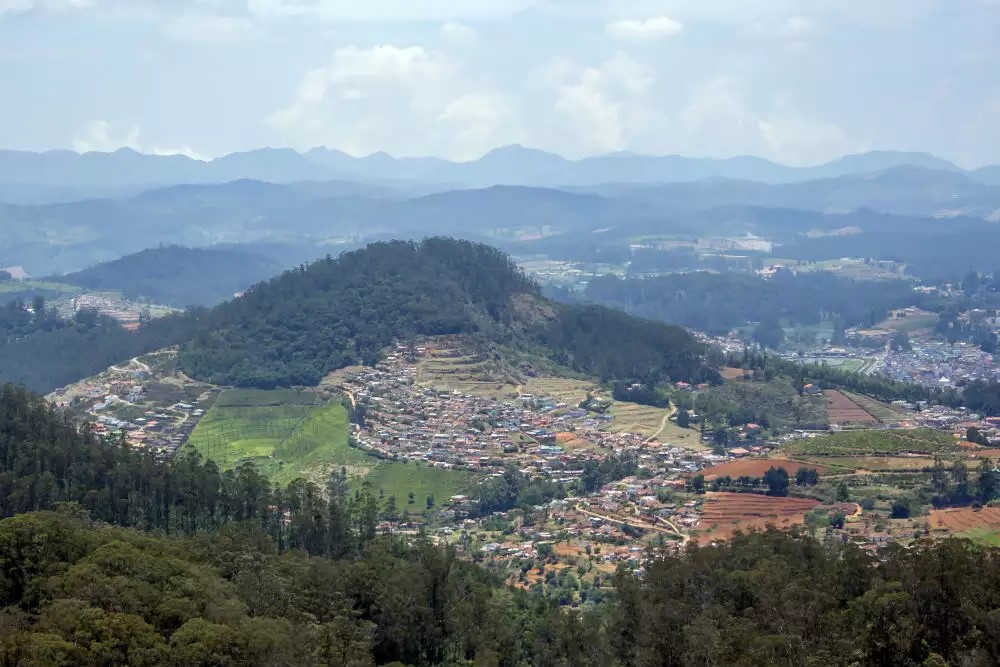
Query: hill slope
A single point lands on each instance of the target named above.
(178, 276)
(296, 328)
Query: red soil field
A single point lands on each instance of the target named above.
(757, 468)
(842, 410)
(957, 520)
(723, 514)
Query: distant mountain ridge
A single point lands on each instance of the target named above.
(314, 218)
(65, 171)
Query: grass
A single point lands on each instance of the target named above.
(985, 535)
(295, 439)
(401, 479)
(868, 442)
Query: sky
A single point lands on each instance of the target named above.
(796, 81)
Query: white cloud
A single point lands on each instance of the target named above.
(723, 112)
(21, 6)
(459, 34)
(604, 106)
(209, 28)
(389, 10)
(790, 28)
(101, 137)
(632, 30)
(406, 99)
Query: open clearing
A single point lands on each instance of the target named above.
(757, 468)
(842, 410)
(723, 514)
(299, 439)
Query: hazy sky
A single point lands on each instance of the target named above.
(798, 81)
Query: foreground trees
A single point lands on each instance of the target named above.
(112, 557)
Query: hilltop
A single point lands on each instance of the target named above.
(298, 327)
(294, 329)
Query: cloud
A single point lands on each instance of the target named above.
(101, 137)
(643, 30)
(209, 28)
(459, 34)
(24, 6)
(389, 10)
(604, 106)
(724, 112)
(407, 99)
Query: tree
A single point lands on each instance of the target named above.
(960, 493)
(776, 480)
(837, 519)
(698, 484)
(988, 482)
(975, 436)
(806, 477)
(683, 418)
(769, 334)
(843, 492)
(430, 501)
(900, 509)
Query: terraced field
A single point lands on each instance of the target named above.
(840, 409)
(980, 525)
(454, 369)
(723, 514)
(884, 412)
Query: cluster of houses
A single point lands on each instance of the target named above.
(119, 400)
(942, 364)
(405, 420)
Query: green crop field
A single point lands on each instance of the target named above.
(984, 535)
(401, 479)
(850, 443)
(304, 439)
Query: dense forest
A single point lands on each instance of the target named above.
(296, 328)
(236, 572)
(177, 276)
(44, 351)
(718, 302)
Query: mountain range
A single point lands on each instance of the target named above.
(27, 177)
(293, 222)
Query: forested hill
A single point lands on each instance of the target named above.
(299, 326)
(718, 302)
(294, 329)
(178, 276)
